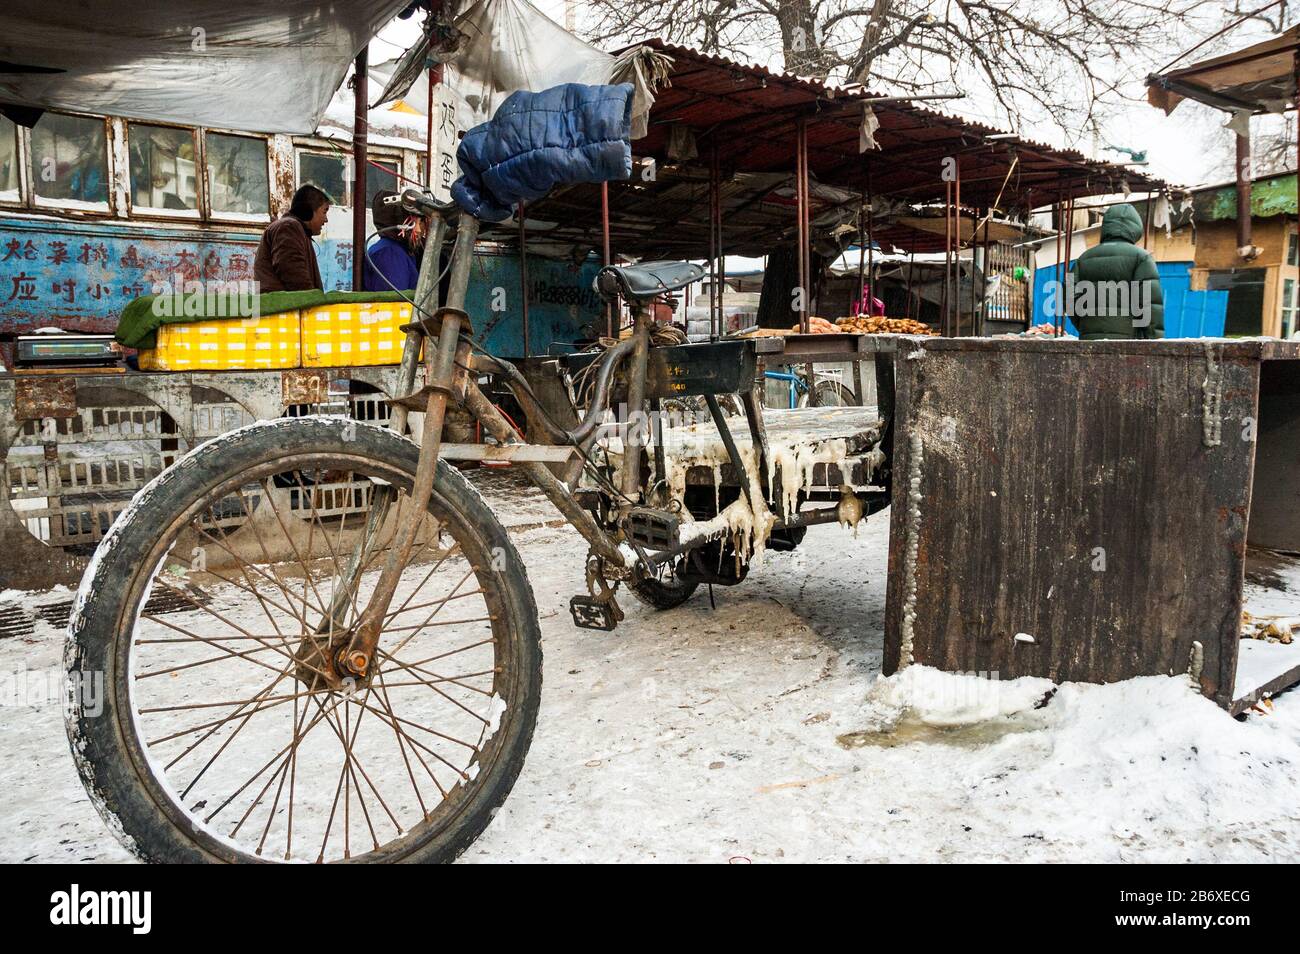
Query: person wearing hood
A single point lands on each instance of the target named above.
(390, 264)
(1115, 289)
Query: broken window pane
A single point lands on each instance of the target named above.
(163, 174)
(70, 159)
(328, 173)
(237, 174)
(8, 159)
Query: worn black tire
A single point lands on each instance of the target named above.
(660, 595)
(133, 804)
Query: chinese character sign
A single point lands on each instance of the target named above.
(446, 139)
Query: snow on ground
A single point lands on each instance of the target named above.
(762, 731)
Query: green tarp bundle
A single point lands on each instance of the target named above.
(140, 321)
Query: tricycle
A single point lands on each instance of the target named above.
(318, 643)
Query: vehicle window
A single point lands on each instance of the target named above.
(163, 171)
(70, 159)
(8, 159)
(237, 174)
(328, 173)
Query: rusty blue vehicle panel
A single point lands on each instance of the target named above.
(80, 275)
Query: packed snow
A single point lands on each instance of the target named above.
(763, 731)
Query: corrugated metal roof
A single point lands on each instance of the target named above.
(1001, 139)
(750, 115)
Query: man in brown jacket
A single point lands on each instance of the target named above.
(286, 257)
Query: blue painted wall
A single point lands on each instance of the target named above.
(81, 274)
(1188, 314)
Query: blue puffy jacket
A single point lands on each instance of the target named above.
(536, 141)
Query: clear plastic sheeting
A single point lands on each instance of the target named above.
(262, 67)
(509, 45)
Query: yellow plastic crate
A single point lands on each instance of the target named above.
(227, 344)
(356, 333)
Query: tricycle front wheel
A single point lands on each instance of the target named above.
(212, 615)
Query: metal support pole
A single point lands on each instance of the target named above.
(871, 265)
(428, 140)
(360, 135)
(985, 265)
(805, 251)
(956, 253)
(1058, 320)
(911, 267)
(864, 308)
(523, 273)
(610, 309)
(801, 211)
(635, 422)
(948, 256)
(715, 246)
(1069, 249)
(1243, 193)
(974, 236)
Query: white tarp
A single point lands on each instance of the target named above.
(263, 67)
(509, 45)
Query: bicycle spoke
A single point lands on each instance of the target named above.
(255, 732)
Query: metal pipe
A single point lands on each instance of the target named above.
(801, 199)
(974, 240)
(1069, 248)
(523, 272)
(806, 518)
(428, 140)
(606, 367)
(871, 251)
(462, 260)
(956, 251)
(948, 261)
(440, 362)
(911, 267)
(360, 135)
(715, 251)
(1146, 230)
(1243, 193)
(382, 497)
(985, 265)
(863, 306)
(426, 300)
(607, 261)
(632, 442)
(729, 442)
(1058, 320)
(556, 492)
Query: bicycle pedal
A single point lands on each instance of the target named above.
(655, 529)
(591, 613)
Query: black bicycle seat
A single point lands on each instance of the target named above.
(647, 279)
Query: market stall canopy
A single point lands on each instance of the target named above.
(1259, 78)
(231, 64)
(751, 115)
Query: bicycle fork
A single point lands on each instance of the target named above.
(446, 358)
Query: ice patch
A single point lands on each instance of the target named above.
(945, 699)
